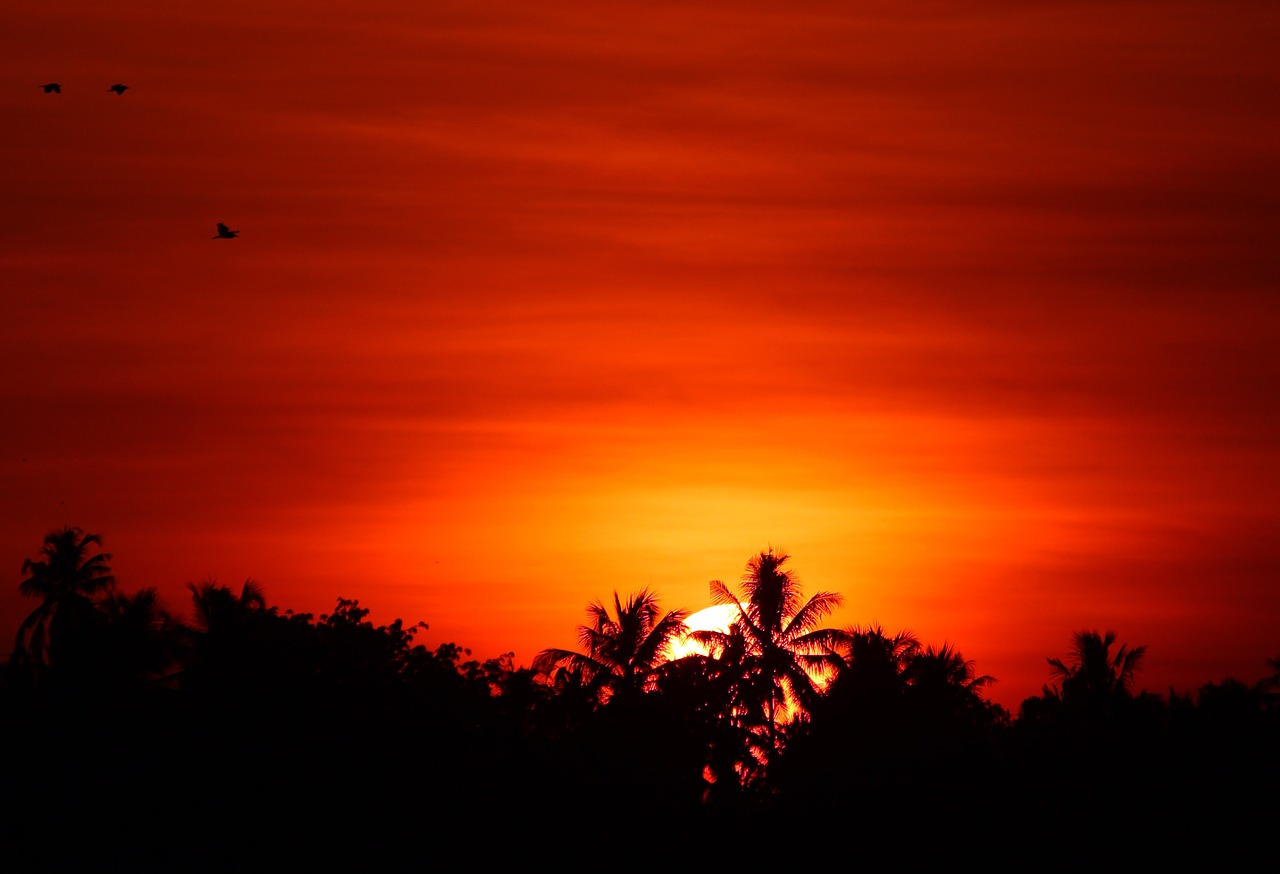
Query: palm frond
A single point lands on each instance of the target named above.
(807, 617)
(548, 660)
(720, 594)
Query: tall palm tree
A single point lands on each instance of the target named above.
(65, 580)
(622, 651)
(787, 652)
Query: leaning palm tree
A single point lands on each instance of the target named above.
(622, 651)
(65, 580)
(788, 654)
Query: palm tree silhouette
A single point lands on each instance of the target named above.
(217, 607)
(621, 651)
(65, 581)
(728, 686)
(1095, 676)
(230, 637)
(945, 691)
(141, 639)
(873, 666)
(786, 650)
(945, 671)
(863, 717)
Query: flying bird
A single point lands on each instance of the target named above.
(52, 88)
(224, 233)
(119, 89)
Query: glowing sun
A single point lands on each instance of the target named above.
(715, 618)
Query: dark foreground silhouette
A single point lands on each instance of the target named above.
(260, 739)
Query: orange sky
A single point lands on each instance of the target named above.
(971, 309)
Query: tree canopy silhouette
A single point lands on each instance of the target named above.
(357, 729)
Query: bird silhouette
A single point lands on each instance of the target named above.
(224, 233)
(119, 89)
(52, 88)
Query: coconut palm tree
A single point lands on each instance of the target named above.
(787, 652)
(622, 651)
(611, 728)
(1095, 676)
(725, 688)
(66, 581)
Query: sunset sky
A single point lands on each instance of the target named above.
(973, 308)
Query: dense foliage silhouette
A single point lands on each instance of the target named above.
(256, 737)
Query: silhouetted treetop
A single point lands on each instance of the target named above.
(622, 650)
(72, 572)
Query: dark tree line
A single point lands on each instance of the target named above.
(252, 736)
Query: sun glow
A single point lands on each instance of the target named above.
(715, 618)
